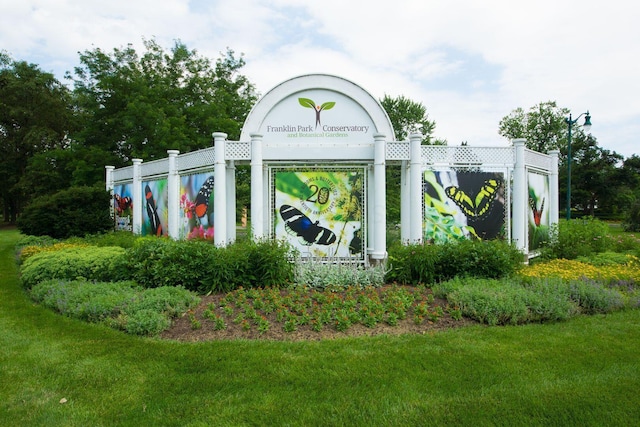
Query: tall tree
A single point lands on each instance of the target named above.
(406, 116)
(142, 105)
(594, 177)
(35, 117)
(543, 126)
(409, 116)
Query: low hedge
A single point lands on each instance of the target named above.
(70, 263)
(431, 263)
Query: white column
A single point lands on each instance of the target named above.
(405, 202)
(220, 190)
(257, 188)
(520, 195)
(109, 187)
(371, 199)
(136, 195)
(173, 196)
(231, 201)
(380, 203)
(415, 169)
(109, 178)
(554, 189)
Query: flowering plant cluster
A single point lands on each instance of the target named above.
(572, 269)
(289, 309)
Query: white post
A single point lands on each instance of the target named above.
(415, 188)
(520, 195)
(405, 202)
(109, 178)
(371, 199)
(136, 195)
(173, 196)
(257, 188)
(219, 190)
(554, 193)
(231, 201)
(380, 204)
(109, 187)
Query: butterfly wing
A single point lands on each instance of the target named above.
(152, 212)
(461, 199)
(486, 196)
(537, 214)
(202, 198)
(481, 204)
(298, 224)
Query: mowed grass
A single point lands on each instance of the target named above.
(582, 372)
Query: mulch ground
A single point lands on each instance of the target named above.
(182, 328)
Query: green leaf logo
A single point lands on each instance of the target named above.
(309, 103)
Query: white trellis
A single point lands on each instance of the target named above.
(370, 147)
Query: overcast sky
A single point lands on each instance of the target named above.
(469, 62)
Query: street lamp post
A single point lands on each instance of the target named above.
(586, 126)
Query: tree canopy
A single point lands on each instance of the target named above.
(408, 116)
(143, 105)
(599, 186)
(35, 117)
(543, 126)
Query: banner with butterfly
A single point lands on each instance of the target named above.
(155, 212)
(320, 212)
(538, 214)
(463, 204)
(196, 206)
(123, 207)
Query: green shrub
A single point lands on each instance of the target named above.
(89, 301)
(473, 258)
(320, 276)
(73, 212)
(123, 239)
(593, 297)
(91, 263)
(624, 242)
(499, 302)
(413, 263)
(172, 301)
(201, 267)
(632, 218)
(577, 237)
(123, 305)
(25, 241)
(155, 262)
(605, 258)
(146, 322)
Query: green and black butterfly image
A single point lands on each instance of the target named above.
(298, 224)
(475, 207)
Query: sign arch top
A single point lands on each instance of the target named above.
(317, 108)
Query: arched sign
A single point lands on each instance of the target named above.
(317, 108)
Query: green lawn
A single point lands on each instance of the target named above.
(582, 372)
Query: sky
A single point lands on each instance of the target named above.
(470, 63)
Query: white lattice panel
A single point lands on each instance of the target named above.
(537, 160)
(155, 167)
(123, 174)
(196, 159)
(466, 155)
(237, 150)
(398, 150)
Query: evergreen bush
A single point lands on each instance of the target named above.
(76, 211)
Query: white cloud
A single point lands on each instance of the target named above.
(470, 63)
